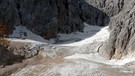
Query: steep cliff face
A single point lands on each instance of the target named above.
(110, 7)
(49, 17)
(121, 41)
(122, 14)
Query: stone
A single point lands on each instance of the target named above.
(121, 41)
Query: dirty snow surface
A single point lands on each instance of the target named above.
(74, 54)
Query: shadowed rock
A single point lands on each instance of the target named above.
(49, 17)
(7, 57)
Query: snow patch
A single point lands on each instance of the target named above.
(97, 58)
(84, 64)
(22, 33)
(91, 34)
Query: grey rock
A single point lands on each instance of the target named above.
(7, 57)
(49, 17)
(121, 41)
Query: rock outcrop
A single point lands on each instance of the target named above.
(122, 26)
(122, 14)
(7, 57)
(49, 17)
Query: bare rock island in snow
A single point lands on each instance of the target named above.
(67, 38)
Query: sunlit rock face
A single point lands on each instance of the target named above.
(121, 13)
(121, 41)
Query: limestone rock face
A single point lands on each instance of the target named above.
(121, 41)
(110, 7)
(49, 17)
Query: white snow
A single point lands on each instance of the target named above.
(21, 33)
(91, 56)
(84, 63)
(25, 41)
(91, 34)
(98, 58)
(123, 61)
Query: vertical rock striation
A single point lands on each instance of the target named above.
(122, 26)
(121, 41)
(49, 17)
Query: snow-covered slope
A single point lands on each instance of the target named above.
(78, 51)
(77, 67)
(21, 32)
(90, 34)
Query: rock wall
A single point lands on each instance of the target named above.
(49, 17)
(122, 25)
(110, 7)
